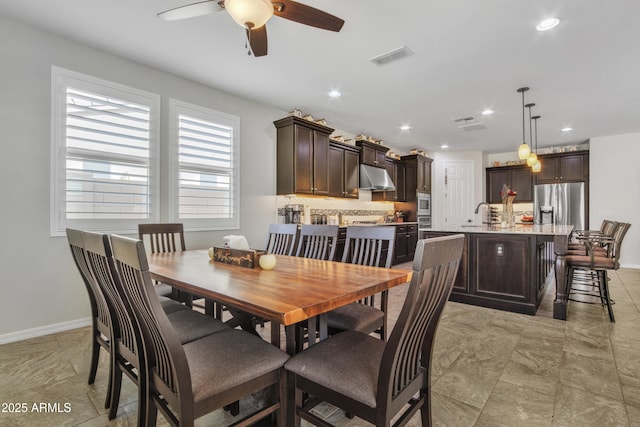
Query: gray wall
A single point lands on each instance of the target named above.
(40, 286)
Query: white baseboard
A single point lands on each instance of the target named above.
(631, 266)
(44, 330)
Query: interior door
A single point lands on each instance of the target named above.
(458, 195)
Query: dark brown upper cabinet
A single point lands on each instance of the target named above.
(518, 178)
(564, 167)
(344, 171)
(372, 154)
(417, 175)
(302, 156)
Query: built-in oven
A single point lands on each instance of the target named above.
(423, 204)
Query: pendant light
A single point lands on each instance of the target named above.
(536, 166)
(524, 150)
(531, 159)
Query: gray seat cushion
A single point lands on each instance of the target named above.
(356, 317)
(170, 306)
(347, 363)
(191, 325)
(228, 359)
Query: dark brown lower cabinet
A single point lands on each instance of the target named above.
(405, 243)
(503, 271)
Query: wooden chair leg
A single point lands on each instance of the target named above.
(95, 355)
(114, 395)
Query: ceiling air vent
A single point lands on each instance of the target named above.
(468, 124)
(393, 55)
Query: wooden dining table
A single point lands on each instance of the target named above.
(296, 290)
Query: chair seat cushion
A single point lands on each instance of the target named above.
(169, 305)
(356, 317)
(228, 359)
(347, 363)
(585, 262)
(191, 325)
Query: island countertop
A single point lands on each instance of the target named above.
(532, 229)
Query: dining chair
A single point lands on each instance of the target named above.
(127, 351)
(602, 255)
(373, 379)
(371, 246)
(101, 333)
(186, 381)
(281, 239)
(167, 237)
(318, 241)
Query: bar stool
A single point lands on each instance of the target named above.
(595, 265)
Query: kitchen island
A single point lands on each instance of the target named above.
(507, 268)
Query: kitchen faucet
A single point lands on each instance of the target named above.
(490, 212)
(480, 204)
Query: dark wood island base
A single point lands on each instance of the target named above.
(507, 268)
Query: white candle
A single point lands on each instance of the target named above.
(267, 262)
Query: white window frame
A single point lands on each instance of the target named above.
(177, 108)
(61, 79)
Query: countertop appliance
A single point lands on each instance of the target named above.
(293, 214)
(561, 204)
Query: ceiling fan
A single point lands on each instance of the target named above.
(252, 15)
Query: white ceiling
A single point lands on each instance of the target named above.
(469, 55)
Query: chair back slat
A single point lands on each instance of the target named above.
(162, 237)
(281, 239)
(166, 359)
(405, 363)
(318, 241)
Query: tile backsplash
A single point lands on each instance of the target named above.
(351, 210)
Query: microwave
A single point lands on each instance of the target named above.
(423, 204)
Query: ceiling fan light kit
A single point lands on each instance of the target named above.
(249, 13)
(252, 15)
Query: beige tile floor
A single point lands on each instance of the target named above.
(490, 368)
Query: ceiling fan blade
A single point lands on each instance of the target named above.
(258, 40)
(191, 10)
(298, 12)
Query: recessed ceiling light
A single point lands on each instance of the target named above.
(566, 129)
(548, 24)
(444, 146)
(487, 112)
(405, 127)
(335, 94)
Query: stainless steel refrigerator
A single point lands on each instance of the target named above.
(562, 204)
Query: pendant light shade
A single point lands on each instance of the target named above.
(537, 167)
(524, 150)
(532, 159)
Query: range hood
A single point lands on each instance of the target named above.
(375, 179)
